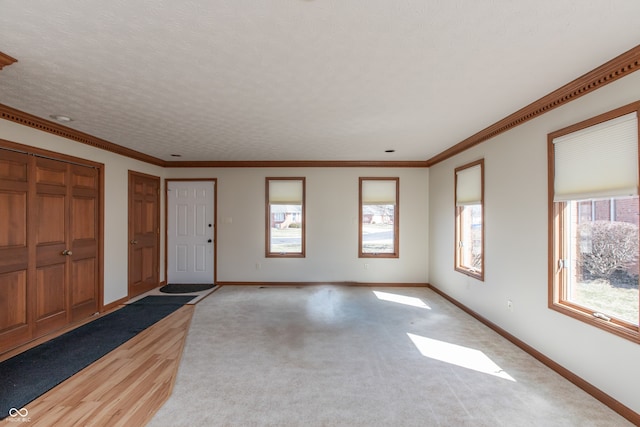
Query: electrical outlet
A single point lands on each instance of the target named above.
(509, 305)
(258, 266)
(366, 266)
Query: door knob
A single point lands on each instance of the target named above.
(134, 242)
(209, 241)
(67, 252)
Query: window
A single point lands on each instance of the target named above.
(593, 217)
(469, 197)
(379, 201)
(285, 222)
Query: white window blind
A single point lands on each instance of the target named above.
(598, 161)
(469, 186)
(285, 192)
(378, 192)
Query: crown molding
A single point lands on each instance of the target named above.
(26, 119)
(297, 164)
(6, 60)
(609, 72)
(35, 122)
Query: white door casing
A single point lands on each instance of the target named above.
(190, 231)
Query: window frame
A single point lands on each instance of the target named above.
(268, 252)
(458, 266)
(557, 242)
(396, 220)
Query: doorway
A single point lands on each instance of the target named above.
(191, 231)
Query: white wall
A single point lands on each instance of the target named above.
(116, 197)
(332, 212)
(516, 247)
(332, 226)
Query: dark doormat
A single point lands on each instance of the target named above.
(185, 288)
(35, 371)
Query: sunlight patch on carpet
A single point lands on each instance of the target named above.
(401, 299)
(458, 355)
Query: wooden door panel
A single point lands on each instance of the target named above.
(50, 229)
(50, 226)
(83, 242)
(14, 249)
(144, 266)
(84, 177)
(51, 298)
(144, 217)
(82, 249)
(52, 172)
(14, 316)
(14, 190)
(135, 265)
(52, 254)
(83, 212)
(50, 284)
(150, 188)
(136, 215)
(83, 294)
(148, 269)
(52, 221)
(13, 294)
(13, 214)
(13, 166)
(149, 224)
(13, 238)
(144, 237)
(13, 259)
(82, 268)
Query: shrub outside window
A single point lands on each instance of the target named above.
(378, 218)
(469, 236)
(285, 222)
(593, 222)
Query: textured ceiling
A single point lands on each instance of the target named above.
(299, 79)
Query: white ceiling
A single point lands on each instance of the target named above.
(299, 79)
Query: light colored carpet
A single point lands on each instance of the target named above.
(354, 356)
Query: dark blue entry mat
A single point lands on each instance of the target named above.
(35, 371)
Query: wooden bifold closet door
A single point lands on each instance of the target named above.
(49, 245)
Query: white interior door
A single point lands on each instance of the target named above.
(190, 225)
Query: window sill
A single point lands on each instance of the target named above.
(627, 332)
(471, 273)
(372, 255)
(284, 255)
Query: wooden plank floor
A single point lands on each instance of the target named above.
(124, 388)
